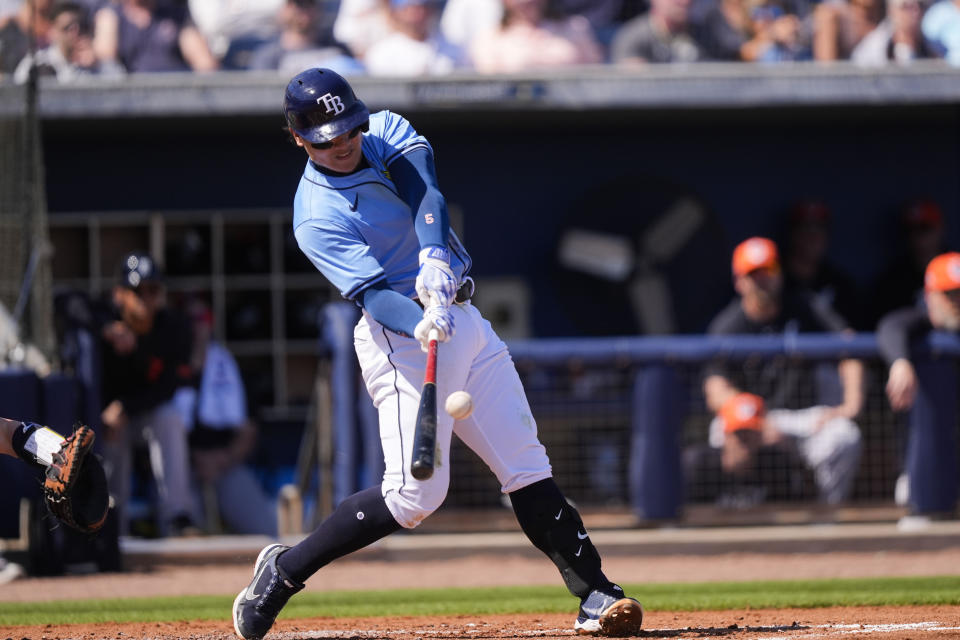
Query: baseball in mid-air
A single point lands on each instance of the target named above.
(459, 405)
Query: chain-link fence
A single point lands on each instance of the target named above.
(590, 421)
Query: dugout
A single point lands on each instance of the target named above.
(162, 160)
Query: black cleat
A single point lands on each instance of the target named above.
(257, 606)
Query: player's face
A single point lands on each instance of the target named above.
(343, 154)
(943, 308)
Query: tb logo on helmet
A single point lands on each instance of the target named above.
(332, 103)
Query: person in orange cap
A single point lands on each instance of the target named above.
(895, 331)
(930, 435)
(824, 435)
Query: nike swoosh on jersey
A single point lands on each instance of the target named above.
(578, 551)
(356, 202)
(557, 517)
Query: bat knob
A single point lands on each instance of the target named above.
(421, 471)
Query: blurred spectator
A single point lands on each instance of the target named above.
(8, 7)
(807, 269)
(901, 283)
(31, 21)
(416, 46)
(222, 436)
(234, 28)
(303, 42)
(147, 36)
(941, 26)
(361, 23)
(530, 36)
(462, 20)
(726, 30)
(603, 16)
(898, 39)
(742, 30)
(779, 35)
(70, 52)
(146, 358)
(663, 34)
(929, 481)
(824, 437)
(839, 25)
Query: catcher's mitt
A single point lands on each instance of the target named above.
(75, 488)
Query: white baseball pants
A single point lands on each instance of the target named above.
(501, 429)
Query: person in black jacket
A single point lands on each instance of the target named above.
(146, 357)
(817, 423)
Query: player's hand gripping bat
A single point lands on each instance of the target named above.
(425, 434)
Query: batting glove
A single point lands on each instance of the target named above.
(435, 316)
(436, 284)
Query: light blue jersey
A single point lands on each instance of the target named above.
(356, 229)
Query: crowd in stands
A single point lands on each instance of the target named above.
(404, 38)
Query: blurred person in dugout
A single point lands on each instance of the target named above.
(897, 335)
(922, 237)
(746, 460)
(30, 22)
(807, 267)
(70, 52)
(221, 437)
(146, 357)
(898, 39)
(824, 436)
(532, 35)
(415, 45)
(136, 36)
(305, 39)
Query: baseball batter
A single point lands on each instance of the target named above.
(369, 214)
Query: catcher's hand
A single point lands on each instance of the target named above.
(75, 488)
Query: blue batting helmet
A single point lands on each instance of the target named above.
(320, 105)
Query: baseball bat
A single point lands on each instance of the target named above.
(425, 433)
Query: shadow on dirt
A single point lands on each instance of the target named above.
(718, 631)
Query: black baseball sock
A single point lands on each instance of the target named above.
(361, 519)
(555, 528)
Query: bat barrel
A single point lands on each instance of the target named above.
(425, 436)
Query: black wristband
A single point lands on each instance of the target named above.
(19, 442)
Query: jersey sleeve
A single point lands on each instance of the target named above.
(340, 255)
(897, 329)
(392, 136)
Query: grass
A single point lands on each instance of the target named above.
(414, 602)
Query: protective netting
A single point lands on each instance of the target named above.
(25, 274)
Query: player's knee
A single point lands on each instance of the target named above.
(410, 508)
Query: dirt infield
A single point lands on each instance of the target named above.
(914, 623)
(387, 569)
